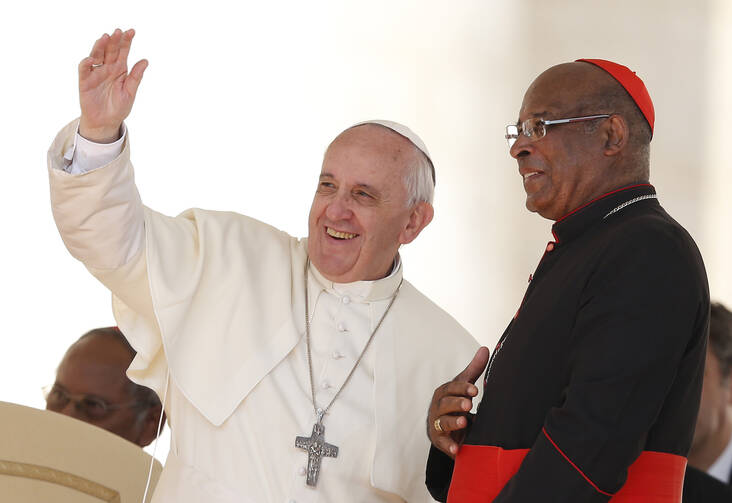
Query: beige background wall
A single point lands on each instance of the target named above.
(240, 101)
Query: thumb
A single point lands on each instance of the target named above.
(476, 366)
(135, 76)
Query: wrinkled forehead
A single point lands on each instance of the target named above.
(371, 145)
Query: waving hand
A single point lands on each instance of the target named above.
(106, 89)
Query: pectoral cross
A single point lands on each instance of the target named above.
(316, 448)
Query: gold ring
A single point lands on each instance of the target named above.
(438, 426)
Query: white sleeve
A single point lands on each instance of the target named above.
(85, 156)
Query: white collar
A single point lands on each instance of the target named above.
(362, 291)
(720, 469)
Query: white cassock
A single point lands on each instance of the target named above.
(217, 300)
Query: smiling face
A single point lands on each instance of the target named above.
(568, 167)
(359, 216)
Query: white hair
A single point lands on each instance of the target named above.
(418, 180)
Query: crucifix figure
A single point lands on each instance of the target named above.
(316, 447)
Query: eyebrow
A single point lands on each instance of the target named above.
(366, 186)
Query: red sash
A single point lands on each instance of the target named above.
(481, 471)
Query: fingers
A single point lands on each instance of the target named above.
(96, 57)
(450, 433)
(447, 445)
(476, 366)
(451, 405)
(111, 51)
(97, 52)
(132, 82)
(452, 423)
(124, 45)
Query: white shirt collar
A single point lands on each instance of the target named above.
(362, 291)
(720, 469)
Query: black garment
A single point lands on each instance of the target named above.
(700, 487)
(605, 357)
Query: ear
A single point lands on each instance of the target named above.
(150, 425)
(616, 133)
(421, 215)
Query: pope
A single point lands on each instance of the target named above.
(290, 369)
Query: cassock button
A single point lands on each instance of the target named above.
(337, 355)
(325, 385)
(301, 471)
(346, 299)
(550, 247)
(341, 327)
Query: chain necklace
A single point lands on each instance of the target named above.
(629, 202)
(315, 444)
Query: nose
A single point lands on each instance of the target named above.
(339, 208)
(521, 147)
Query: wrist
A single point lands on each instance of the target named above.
(100, 135)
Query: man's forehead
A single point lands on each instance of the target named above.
(562, 89)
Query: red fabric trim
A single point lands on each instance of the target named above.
(598, 198)
(481, 472)
(594, 486)
(631, 83)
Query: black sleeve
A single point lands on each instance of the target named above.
(439, 473)
(637, 327)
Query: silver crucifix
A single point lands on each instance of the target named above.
(316, 447)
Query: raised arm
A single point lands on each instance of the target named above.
(106, 89)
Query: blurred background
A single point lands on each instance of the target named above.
(241, 99)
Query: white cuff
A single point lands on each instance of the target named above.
(85, 155)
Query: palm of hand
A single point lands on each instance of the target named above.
(106, 90)
(103, 95)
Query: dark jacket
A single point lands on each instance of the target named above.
(600, 368)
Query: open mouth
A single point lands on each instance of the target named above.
(529, 175)
(340, 235)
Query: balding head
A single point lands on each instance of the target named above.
(576, 162)
(91, 385)
(362, 211)
(587, 89)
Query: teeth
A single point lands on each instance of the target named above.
(339, 235)
(529, 175)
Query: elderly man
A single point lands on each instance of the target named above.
(91, 386)
(592, 391)
(291, 370)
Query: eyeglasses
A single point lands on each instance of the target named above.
(93, 407)
(535, 128)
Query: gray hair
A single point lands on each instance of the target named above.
(418, 180)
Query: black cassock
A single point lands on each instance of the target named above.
(597, 379)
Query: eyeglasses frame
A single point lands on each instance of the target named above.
(79, 398)
(548, 122)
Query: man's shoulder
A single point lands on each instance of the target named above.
(225, 228)
(653, 227)
(654, 232)
(430, 318)
(230, 220)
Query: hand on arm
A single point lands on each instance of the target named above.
(106, 90)
(451, 404)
